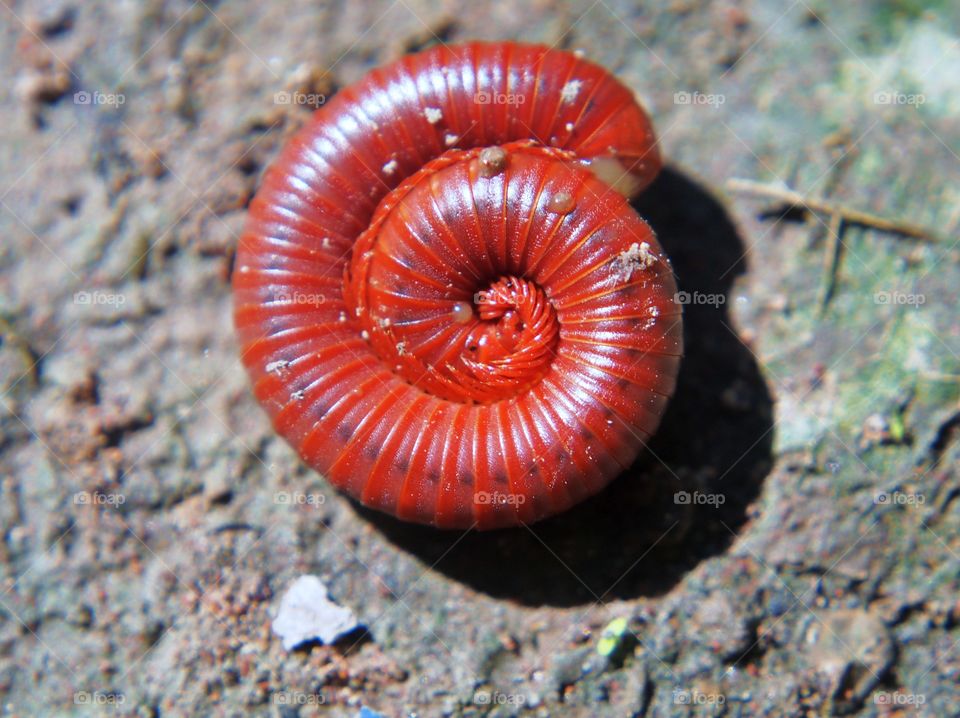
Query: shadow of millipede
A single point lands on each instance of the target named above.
(633, 539)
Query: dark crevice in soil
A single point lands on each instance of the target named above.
(946, 433)
(441, 33)
(114, 434)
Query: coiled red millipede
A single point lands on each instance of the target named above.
(442, 306)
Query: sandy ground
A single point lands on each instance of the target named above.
(815, 429)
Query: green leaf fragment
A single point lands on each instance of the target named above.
(612, 637)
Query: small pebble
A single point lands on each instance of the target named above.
(462, 313)
(561, 203)
(493, 160)
(571, 90)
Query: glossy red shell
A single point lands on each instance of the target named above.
(458, 336)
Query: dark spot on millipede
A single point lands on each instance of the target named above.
(344, 431)
(371, 451)
(403, 463)
(585, 433)
(562, 456)
(468, 478)
(433, 476)
(500, 478)
(320, 411)
(534, 470)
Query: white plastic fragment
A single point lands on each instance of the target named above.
(636, 258)
(571, 90)
(307, 614)
(277, 367)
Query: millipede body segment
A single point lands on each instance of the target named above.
(443, 298)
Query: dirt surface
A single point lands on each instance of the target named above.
(789, 544)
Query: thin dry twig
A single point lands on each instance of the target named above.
(832, 260)
(847, 214)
